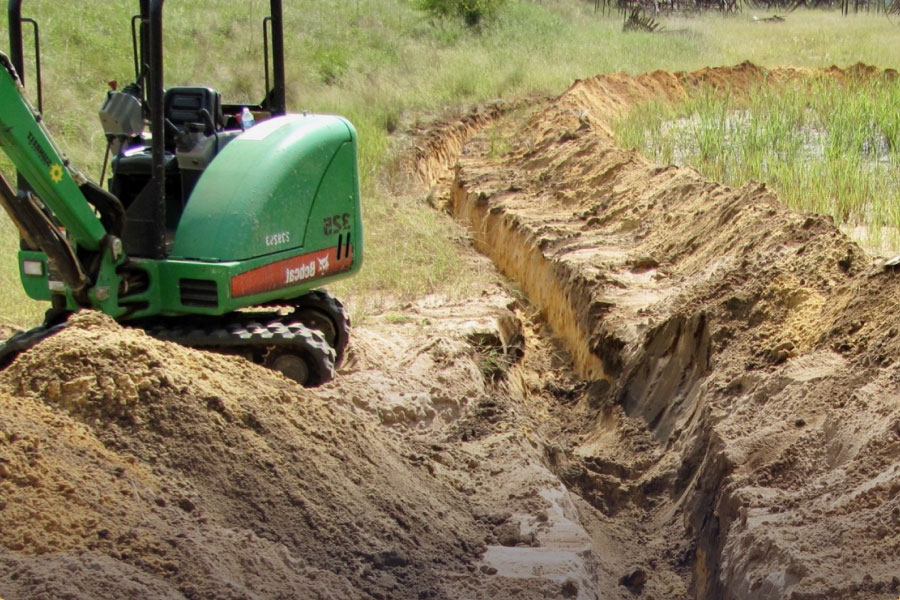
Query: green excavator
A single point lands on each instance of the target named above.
(220, 222)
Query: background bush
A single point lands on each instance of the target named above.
(471, 11)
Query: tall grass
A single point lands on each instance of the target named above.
(389, 66)
(826, 146)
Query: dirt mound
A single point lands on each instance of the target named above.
(173, 473)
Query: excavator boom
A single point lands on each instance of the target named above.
(29, 146)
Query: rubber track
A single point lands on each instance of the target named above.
(254, 338)
(323, 301)
(24, 340)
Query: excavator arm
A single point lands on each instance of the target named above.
(75, 223)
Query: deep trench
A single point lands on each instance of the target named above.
(659, 379)
(696, 315)
(658, 383)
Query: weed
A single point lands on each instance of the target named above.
(472, 12)
(331, 63)
(17, 308)
(499, 145)
(395, 318)
(492, 361)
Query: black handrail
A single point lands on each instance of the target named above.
(278, 91)
(266, 23)
(16, 47)
(135, 19)
(37, 63)
(14, 11)
(157, 126)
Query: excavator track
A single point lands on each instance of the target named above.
(323, 312)
(283, 344)
(24, 340)
(307, 344)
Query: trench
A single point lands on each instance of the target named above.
(617, 302)
(655, 376)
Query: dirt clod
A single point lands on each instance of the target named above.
(634, 580)
(508, 534)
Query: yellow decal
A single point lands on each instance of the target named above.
(56, 173)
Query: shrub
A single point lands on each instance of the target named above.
(471, 11)
(331, 63)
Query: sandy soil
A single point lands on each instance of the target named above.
(676, 389)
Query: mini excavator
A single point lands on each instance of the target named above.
(218, 226)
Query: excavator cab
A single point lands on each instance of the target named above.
(220, 222)
(194, 134)
(193, 123)
(195, 115)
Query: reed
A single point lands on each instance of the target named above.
(826, 146)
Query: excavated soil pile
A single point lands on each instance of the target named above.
(759, 346)
(679, 390)
(132, 468)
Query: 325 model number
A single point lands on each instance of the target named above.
(336, 224)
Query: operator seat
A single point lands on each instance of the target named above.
(181, 105)
(185, 104)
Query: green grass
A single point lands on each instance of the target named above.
(388, 66)
(825, 146)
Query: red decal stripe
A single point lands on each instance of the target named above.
(290, 271)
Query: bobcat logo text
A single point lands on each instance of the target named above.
(307, 271)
